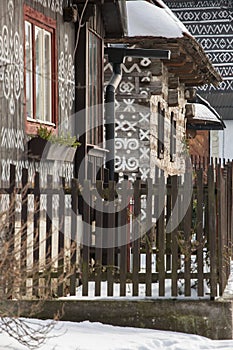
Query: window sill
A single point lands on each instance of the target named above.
(33, 124)
(96, 151)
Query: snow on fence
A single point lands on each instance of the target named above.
(162, 238)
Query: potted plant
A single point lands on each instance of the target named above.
(46, 145)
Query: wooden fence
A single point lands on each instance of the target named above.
(164, 237)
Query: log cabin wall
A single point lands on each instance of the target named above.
(15, 124)
(146, 84)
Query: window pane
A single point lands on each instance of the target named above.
(28, 67)
(94, 88)
(47, 76)
(43, 74)
(39, 73)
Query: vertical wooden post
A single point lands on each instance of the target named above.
(111, 237)
(99, 237)
(48, 248)
(174, 233)
(74, 213)
(136, 235)
(87, 236)
(161, 235)
(200, 237)
(149, 237)
(212, 232)
(61, 239)
(187, 237)
(123, 233)
(24, 223)
(36, 235)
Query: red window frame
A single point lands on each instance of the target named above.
(38, 19)
(95, 88)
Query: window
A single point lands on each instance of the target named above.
(95, 89)
(161, 116)
(172, 137)
(40, 74)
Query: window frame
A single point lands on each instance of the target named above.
(95, 97)
(40, 20)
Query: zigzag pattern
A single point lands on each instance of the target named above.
(210, 29)
(189, 4)
(224, 86)
(225, 72)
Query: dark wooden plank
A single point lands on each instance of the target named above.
(24, 224)
(168, 216)
(161, 235)
(174, 234)
(36, 235)
(199, 228)
(99, 237)
(212, 231)
(61, 239)
(86, 235)
(48, 243)
(136, 236)
(10, 236)
(111, 237)
(149, 198)
(187, 235)
(123, 232)
(74, 235)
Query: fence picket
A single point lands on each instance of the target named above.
(212, 232)
(61, 240)
(123, 236)
(86, 235)
(148, 277)
(174, 234)
(136, 236)
(199, 232)
(161, 235)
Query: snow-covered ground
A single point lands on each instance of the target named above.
(96, 336)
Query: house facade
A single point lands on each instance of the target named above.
(211, 24)
(151, 118)
(51, 72)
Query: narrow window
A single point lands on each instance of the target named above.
(172, 138)
(161, 116)
(95, 88)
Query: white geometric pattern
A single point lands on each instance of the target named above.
(11, 62)
(11, 138)
(66, 79)
(54, 5)
(211, 22)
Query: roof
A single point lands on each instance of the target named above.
(222, 102)
(114, 18)
(202, 116)
(156, 21)
(152, 25)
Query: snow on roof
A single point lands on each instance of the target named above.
(147, 19)
(202, 112)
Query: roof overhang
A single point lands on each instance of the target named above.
(115, 18)
(202, 116)
(152, 25)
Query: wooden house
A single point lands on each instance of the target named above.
(210, 22)
(51, 58)
(152, 96)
